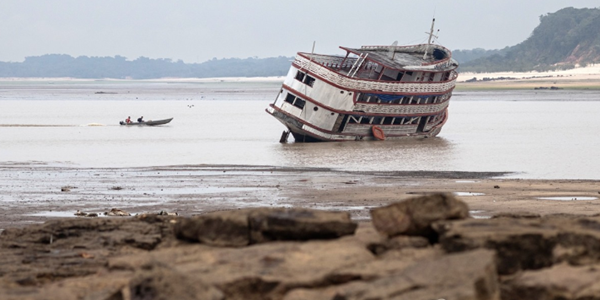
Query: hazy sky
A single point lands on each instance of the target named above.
(196, 31)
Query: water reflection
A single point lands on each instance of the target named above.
(425, 154)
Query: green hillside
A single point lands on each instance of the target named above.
(563, 39)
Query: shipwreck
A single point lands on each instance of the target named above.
(371, 93)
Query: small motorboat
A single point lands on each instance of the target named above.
(147, 123)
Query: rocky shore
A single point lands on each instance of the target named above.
(425, 247)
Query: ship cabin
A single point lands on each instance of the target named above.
(394, 63)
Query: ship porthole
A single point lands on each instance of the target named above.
(316, 108)
(341, 92)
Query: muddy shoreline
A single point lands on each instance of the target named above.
(35, 193)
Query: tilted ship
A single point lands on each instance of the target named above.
(371, 93)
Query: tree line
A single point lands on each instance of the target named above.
(562, 40)
(62, 65)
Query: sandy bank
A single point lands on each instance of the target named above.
(578, 78)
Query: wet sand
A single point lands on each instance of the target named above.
(34, 193)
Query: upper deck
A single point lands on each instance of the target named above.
(386, 68)
(407, 57)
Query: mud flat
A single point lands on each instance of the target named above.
(35, 193)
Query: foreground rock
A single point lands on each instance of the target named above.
(306, 254)
(471, 275)
(559, 282)
(75, 247)
(251, 226)
(415, 216)
(527, 244)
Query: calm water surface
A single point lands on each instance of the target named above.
(538, 134)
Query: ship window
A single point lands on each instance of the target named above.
(399, 77)
(446, 76)
(300, 76)
(290, 98)
(295, 101)
(388, 120)
(398, 121)
(376, 120)
(299, 103)
(365, 120)
(308, 80)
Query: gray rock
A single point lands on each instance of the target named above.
(558, 282)
(527, 244)
(298, 224)
(263, 271)
(398, 243)
(160, 282)
(521, 244)
(465, 276)
(222, 228)
(415, 216)
(251, 226)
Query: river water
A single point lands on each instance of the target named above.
(548, 134)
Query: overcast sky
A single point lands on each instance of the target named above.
(199, 30)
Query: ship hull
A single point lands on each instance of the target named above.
(304, 133)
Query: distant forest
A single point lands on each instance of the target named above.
(564, 39)
(61, 65)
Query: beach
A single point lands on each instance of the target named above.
(578, 78)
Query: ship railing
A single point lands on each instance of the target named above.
(358, 84)
(412, 48)
(421, 48)
(333, 62)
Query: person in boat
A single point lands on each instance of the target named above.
(128, 120)
(141, 119)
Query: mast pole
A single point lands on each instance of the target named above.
(430, 33)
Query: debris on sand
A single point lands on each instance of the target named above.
(167, 213)
(67, 188)
(117, 213)
(84, 214)
(160, 213)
